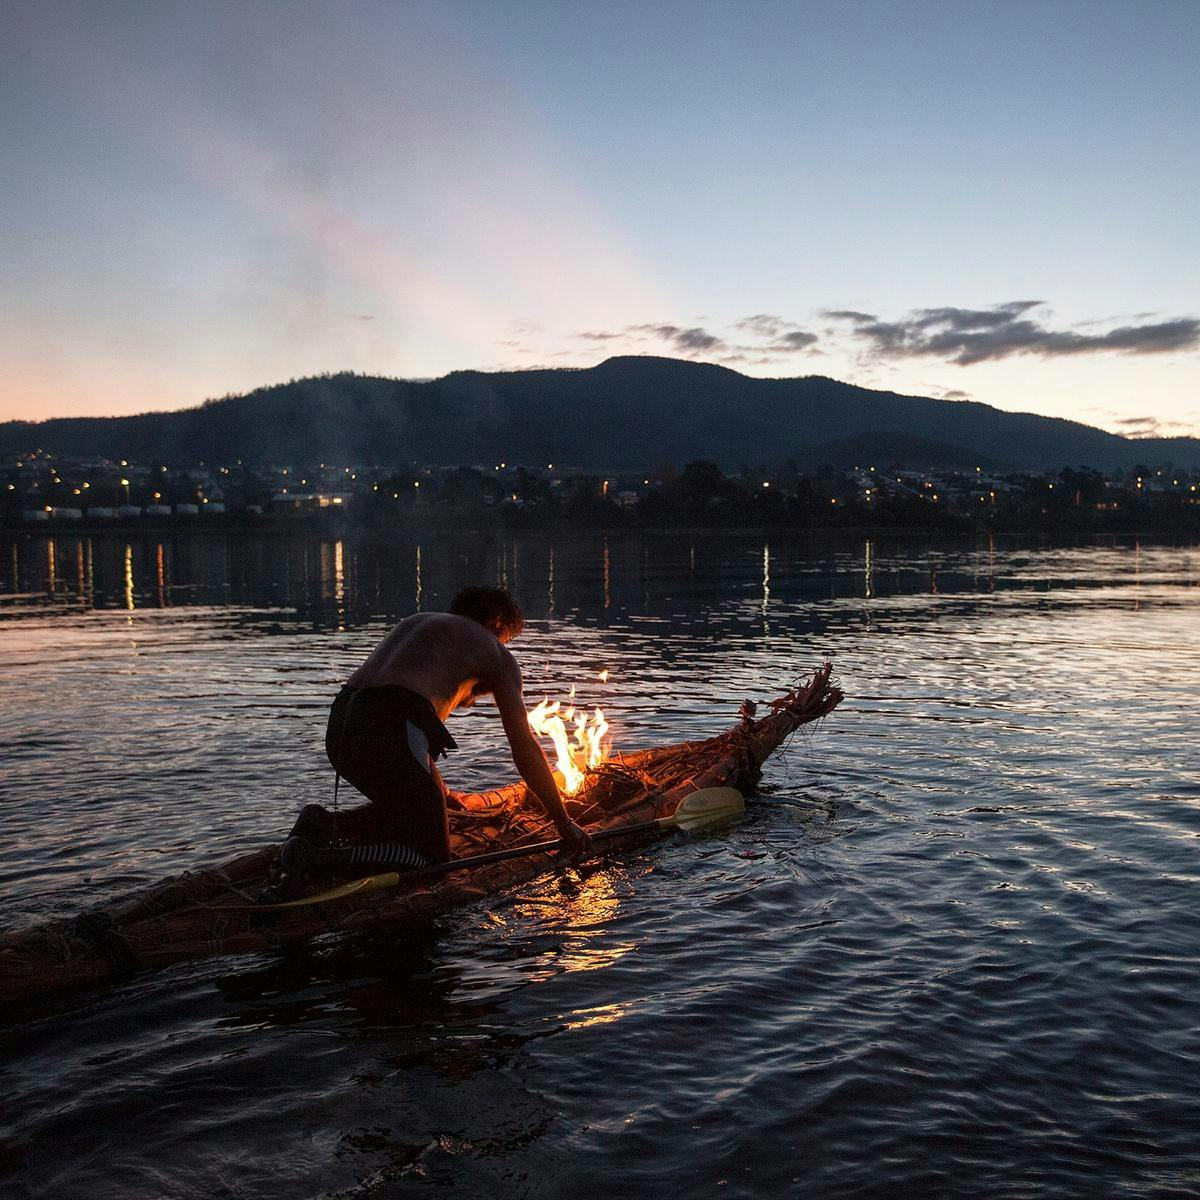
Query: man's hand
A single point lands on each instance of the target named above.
(576, 844)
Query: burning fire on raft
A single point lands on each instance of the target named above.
(575, 752)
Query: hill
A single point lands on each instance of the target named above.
(626, 413)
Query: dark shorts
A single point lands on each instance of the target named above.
(383, 742)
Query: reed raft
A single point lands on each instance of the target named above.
(211, 911)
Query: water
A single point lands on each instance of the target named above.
(952, 950)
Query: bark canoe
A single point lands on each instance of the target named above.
(210, 911)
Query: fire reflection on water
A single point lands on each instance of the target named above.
(581, 915)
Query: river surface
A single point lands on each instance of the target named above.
(951, 951)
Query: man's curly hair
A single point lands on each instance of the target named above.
(493, 608)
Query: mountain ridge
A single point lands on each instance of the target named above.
(627, 412)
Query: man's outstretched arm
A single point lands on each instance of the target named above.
(530, 760)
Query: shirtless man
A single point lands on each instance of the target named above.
(386, 731)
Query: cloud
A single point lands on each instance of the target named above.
(763, 325)
(792, 341)
(784, 337)
(966, 335)
(848, 314)
(598, 335)
(955, 394)
(687, 340)
(1151, 427)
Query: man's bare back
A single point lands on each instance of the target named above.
(448, 659)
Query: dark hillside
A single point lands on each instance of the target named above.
(625, 413)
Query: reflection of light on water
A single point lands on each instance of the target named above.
(160, 576)
(129, 577)
(550, 588)
(766, 582)
(607, 593)
(581, 917)
(51, 578)
(81, 574)
(584, 915)
(868, 569)
(339, 583)
(603, 1014)
(418, 579)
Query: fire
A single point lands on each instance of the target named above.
(603, 676)
(582, 748)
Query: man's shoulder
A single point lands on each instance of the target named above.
(461, 632)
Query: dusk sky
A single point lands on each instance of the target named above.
(994, 201)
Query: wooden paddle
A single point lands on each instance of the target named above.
(709, 806)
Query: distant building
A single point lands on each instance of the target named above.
(129, 510)
(35, 514)
(187, 510)
(307, 501)
(158, 510)
(100, 512)
(67, 514)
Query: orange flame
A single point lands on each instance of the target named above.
(604, 675)
(577, 752)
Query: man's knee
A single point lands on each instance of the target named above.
(315, 823)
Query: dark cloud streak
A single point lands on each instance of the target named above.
(966, 336)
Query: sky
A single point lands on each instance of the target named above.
(970, 200)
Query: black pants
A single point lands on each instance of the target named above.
(382, 740)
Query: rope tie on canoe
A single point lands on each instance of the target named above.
(100, 932)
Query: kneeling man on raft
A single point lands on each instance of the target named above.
(386, 731)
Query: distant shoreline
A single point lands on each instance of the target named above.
(343, 527)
